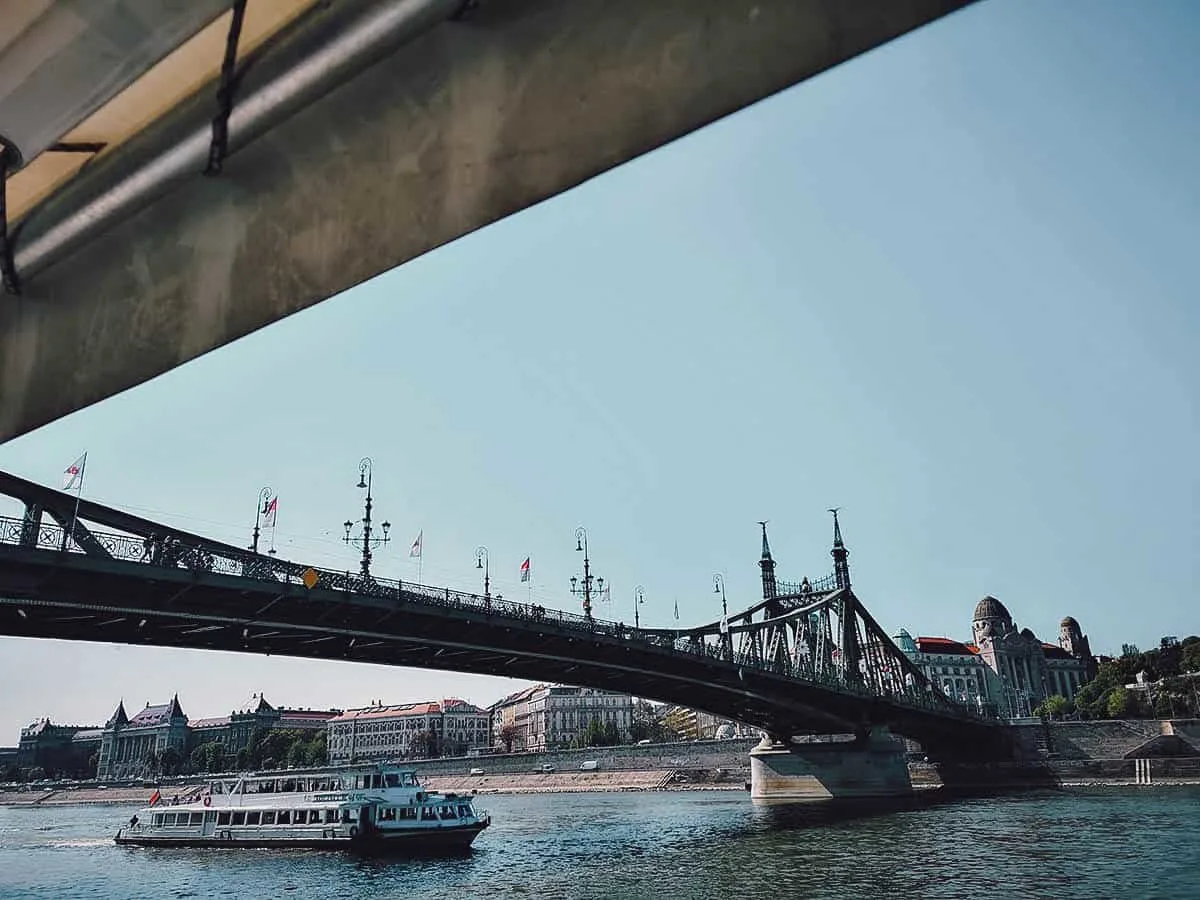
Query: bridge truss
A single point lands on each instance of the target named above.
(808, 659)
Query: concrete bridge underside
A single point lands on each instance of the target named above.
(470, 122)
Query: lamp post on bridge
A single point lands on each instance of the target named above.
(481, 562)
(719, 588)
(585, 589)
(639, 597)
(264, 497)
(368, 542)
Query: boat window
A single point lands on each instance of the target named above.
(289, 786)
(331, 816)
(223, 818)
(393, 780)
(449, 813)
(407, 812)
(268, 817)
(252, 818)
(157, 821)
(427, 812)
(210, 816)
(239, 818)
(285, 817)
(346, 815)
(464, 811)
(216, 788)
(197, 819)
(409, 780)
(387, 814)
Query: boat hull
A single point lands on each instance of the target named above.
(406, 842)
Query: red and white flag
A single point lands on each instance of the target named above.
(525, 569)
(416, 546)
(73, 474)
(270, 510)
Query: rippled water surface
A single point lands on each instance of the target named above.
(1097, 843)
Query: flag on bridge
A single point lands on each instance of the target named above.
(416, 545)
(270, 510)
(676, 610)
(73, 474)
(525, 569)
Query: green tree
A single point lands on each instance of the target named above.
(1190, 658)
(1120, 703)
(170, 761)
(508, 734)
(1054, 707)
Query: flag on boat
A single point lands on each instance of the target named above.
(73, 474)
(270, 511)
(155, 797)
(416, 545)
(525, 569)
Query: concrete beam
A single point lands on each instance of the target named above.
(473, 121)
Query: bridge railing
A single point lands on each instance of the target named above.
(171, 552)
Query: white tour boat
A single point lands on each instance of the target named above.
(369, 808)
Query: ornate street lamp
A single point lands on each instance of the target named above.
(584, 589)
(639, 597)
(264, 497)
(481, 562)
(365, 538)
(719, 588)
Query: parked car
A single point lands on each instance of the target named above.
(546, 767)
(589, 765)
(475, 772)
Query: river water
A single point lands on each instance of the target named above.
(1089, 843)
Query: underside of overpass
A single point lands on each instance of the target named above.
(360, 134)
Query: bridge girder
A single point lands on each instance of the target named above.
(153, 585)
(467, 124)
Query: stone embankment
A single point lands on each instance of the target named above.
(1062, 753)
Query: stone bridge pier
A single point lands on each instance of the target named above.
(871, 764)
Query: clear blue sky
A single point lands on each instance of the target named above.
(950, 286)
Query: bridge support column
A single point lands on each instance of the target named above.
(870, 766)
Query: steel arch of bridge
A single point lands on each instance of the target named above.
(810, 660)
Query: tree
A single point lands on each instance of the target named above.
(508, 734)
(170, 760)
(1190, 659)
(1120, 703)
(612, 737)
(93, 764)
(425, 745)
(1130, 650)
(1054, 707)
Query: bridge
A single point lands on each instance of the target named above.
(807, 659)
(340, 140)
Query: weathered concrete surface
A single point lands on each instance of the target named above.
(871, 768)
(470, 123)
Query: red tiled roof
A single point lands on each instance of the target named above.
(428, 708)
(945, 645)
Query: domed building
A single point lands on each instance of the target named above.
(1006, 670)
